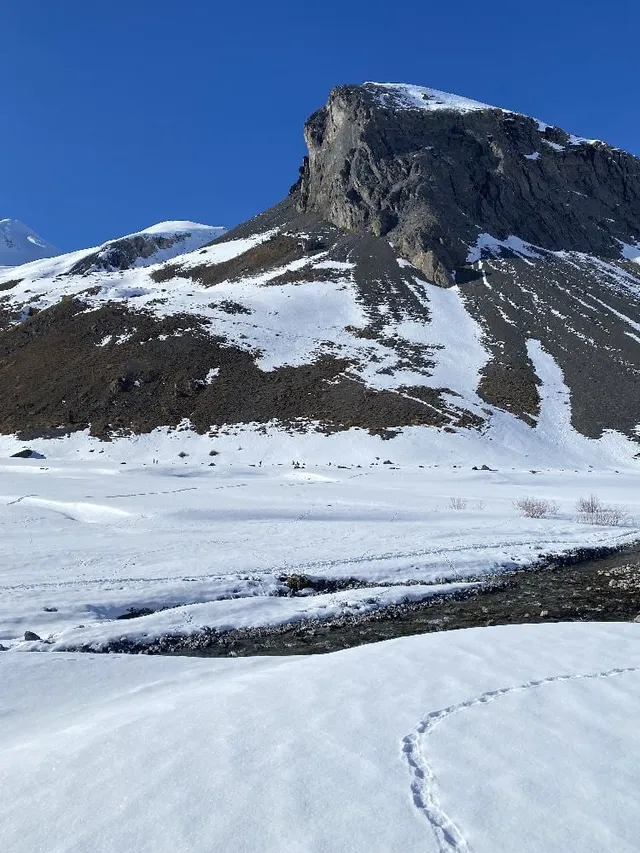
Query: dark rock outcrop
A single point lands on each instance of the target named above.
(432, 180)
(31, 637)
(122, 254)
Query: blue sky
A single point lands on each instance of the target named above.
(120, 114)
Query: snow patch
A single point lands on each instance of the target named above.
(406, 96)
(487, 244)
(405, 740)
(631, 251)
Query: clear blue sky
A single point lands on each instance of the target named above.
(120, 114)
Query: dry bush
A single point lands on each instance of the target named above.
(606, 516)
(458, 503)
(591, 510)
(589, 506)
(536, 507)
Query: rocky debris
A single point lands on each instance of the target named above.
(27, 454)
(134, 388)
(625, 577)
(278, 251)
(295, 584)
(29, 636)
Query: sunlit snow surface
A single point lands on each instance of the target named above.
(208, 547)
(404, 95)
(522, 738)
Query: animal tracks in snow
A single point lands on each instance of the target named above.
(424, 786)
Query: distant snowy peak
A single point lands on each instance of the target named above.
(193, 232)
(155, 244)
(20, 245)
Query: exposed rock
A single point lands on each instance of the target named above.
(122, 254)
(382, 159)
(27, 454)
(31, 637)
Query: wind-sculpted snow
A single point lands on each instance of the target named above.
(536, 747)
(424, 788)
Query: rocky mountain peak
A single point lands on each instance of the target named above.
(436, 174)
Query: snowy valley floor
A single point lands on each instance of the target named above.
(197, 547)
(514, 738)
(517, 738)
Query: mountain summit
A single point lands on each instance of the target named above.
(434, 172)
(20, 245)
(448, 277)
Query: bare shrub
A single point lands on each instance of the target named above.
(591, 510)
(536, 507)
(606, 516)
(480, 505)
(589, 506)
(458, 503)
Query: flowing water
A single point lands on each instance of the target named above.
(601, 590)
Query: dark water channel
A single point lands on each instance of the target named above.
(602, 590)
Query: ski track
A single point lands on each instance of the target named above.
(287, 567)
(424, 787)
(313, 564)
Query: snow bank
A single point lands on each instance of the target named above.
(444, 742)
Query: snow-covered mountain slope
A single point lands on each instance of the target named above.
(20, 245)
(160, 242)
(414, 306)
(445, 743)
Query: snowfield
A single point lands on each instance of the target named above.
(520, 738)
(85, 542)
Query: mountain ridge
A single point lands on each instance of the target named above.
(398, 291)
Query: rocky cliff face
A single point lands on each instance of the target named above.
(432, 172)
